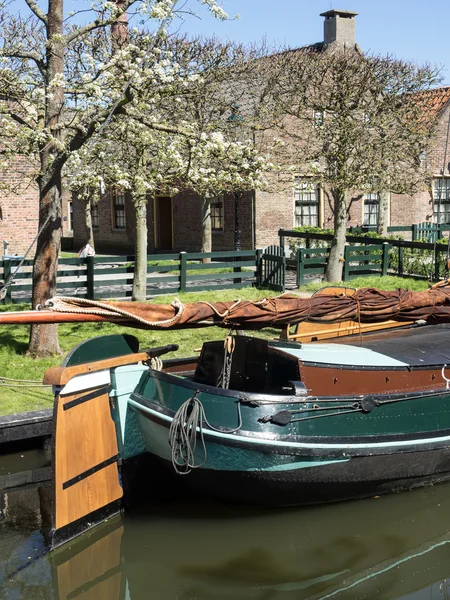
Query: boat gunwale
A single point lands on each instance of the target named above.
(343, 367)
(316, 446)
(258, 397)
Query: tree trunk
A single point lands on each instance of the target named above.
(88, 222)
(206, 227)
(336, 259)
(383, 213)
(140, 264)
(44, 338)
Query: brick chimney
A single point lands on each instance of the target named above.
(339, 28)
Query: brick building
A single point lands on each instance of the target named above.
(19, 208)
(175, 223)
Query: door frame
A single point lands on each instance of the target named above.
(156, 221)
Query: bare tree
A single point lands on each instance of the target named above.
(355, 123)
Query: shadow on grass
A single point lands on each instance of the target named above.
(8, 339)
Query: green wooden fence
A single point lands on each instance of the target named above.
(273, 268)
(112, 276)
(311, 261)
(421, 260)
(358, 260)
(366, 260)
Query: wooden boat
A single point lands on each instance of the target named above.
(253, 421)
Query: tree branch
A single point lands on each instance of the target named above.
(20, 120)
(37, 11)
(34, 56)
(99, 22)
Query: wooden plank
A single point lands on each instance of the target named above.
(213, 276)
(92, 571)
(221, 265)
(84, 440)
(72, 273)
(226, 286)
(61, 375)
(114, 271)
(227, 254)
(311, 332)
(164, 268)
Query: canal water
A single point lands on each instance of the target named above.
(393, 547)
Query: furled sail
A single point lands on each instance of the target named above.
(366, 305)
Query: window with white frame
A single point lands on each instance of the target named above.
(441, 200)
(306, 198)
(118, 209)
(217, 216)
(371, 207)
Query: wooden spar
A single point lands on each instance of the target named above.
(45, 317)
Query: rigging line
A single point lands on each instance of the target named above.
(8, 282)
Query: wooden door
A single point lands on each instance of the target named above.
(163, 223)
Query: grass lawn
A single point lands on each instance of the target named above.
(14, 340)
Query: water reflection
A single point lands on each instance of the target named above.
(392, 547)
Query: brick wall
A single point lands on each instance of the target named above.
(19, 207)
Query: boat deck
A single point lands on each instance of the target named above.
(426, 345)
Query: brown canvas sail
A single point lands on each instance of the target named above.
(366, 305)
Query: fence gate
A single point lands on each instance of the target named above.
(273, 268)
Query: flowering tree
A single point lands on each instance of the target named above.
(356, 123)
(60, 83)
(187, 141)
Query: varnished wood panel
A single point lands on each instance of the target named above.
(312, 332)
(94, 572)
(85, 436)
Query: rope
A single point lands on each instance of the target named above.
(156, 363)
(183, 434)
(25, 385)
(20, 380)
(11, 278)
(107, 310)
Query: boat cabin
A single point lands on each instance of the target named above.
(386, 362)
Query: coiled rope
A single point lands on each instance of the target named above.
(189, 418)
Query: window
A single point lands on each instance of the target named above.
(441, 200)
(306, 197)
(371, 205)
(118, 209)
(94, 214)
(70, 210)
(217, 217)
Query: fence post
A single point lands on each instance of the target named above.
(385, 259)
(258, 260)
(300, 268)
(90, 281)
(237, 270)
(6, 275)
(347, 263)
(414, 232)
(183, 269)
(400, 260)
(436, 262)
